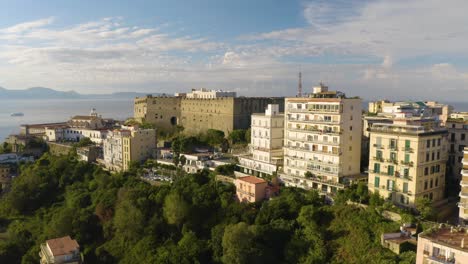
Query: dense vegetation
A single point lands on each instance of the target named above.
(120, 219)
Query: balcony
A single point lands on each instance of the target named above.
(315, 121)
(378, 159)
(314, 151)
(296, 110)
(314, 131)
(393, 147)
(407, 163)
(311, 140)
(442, 259)
(327, 163)
(405, 149)
(377, 146)
(394, 161)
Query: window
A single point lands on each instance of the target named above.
(376, 182)
(462, 137)
(438, 155)
(430, 184)
(376, 167)
(407, 158)
(351, 128)
(428, 143)
(433, 142)
(406, 173)
(438, 142)
(425, 185)
(433, 155)
(436, 182)
(390, 185)
(393, 156)
(393, 143)
(391, 170)
(379, 154)
(427, 157)
(405, 187)
(426, 171)
(407, 144)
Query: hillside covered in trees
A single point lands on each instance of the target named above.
(120, 219)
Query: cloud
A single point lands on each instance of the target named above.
(22, 27)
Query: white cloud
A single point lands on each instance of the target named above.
(22, 27)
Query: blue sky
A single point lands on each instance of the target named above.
(375, 49)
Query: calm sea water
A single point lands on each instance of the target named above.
(58, 110)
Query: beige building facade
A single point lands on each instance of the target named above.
(138, 145)
(463, 204)
(60, 251)
(161, 111)
(250, 189)
(442, 245)
(407, 160)
(266, 143)
(322, 145)
(458, 140)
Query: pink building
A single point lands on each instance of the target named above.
(443, 245)
(251, 189)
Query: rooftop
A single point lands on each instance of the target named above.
(448, 236)
(62, 245)
(252, 179)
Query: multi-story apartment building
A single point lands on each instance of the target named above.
(463, 204)
(407, 159)
(60, 251)
(266, 143)
(122, 146)
(138, 145)
(161, 111)
(113, 149)
(458, 140)
(322, 145)
(442, 245)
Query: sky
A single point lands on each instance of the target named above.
(396, 49)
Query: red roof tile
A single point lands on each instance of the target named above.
(62, 245)
(252, 179)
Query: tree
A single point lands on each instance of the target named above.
(248, 135)
(84, 142)
(308, 174)
(182, 160)
(237, 136)
(425, 208)
(214, 137)
(239, 244)
(176, 209)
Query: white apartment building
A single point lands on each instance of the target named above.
(322, 145)
(209, 94)
(266, 143)
(58, 134)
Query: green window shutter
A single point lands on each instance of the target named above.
(405, 187)
(407, 144)
(391, 170)
(377, 182)
(376, 167)
(407, 158)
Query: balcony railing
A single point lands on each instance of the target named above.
(327, 163)
(405, 149)
(394, 161)
(295, 110)
(407, 163)
(314, 151)
(379, 146)
(311, 140)
(314, 131)
(378, 159)
(316, 121)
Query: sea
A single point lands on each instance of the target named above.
(57, 110)
(60, 110)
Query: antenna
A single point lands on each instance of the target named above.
(299, 87)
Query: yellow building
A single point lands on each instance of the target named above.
(458, 140)
(322, 140)
(463, 204)
(138, 145)
(201, 110)
(407, 160)
(161, 111)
